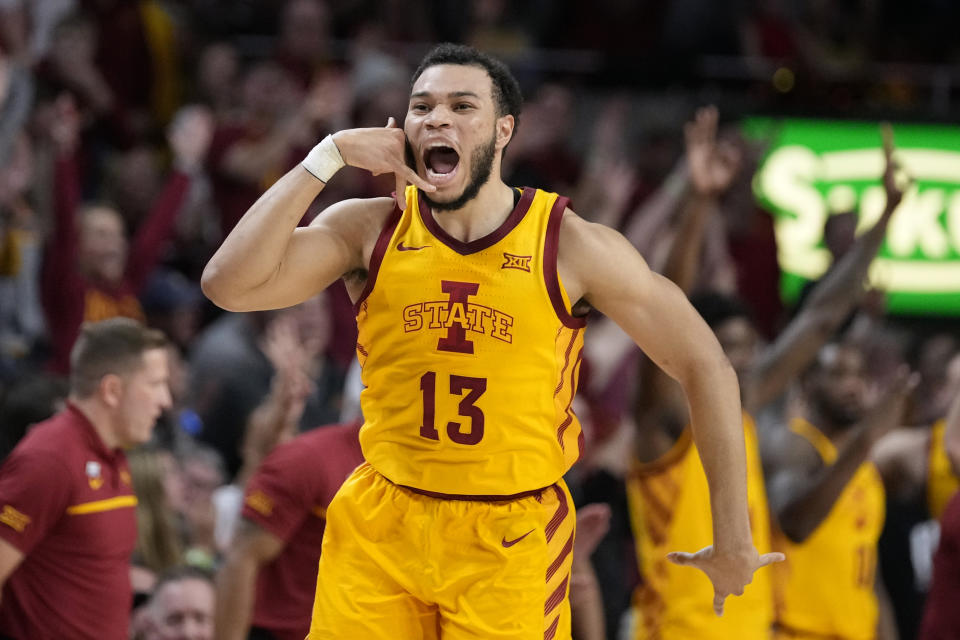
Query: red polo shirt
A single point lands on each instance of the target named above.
(288, 496)
(67, 503)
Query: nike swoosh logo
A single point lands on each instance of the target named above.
(507, 544)
(401, 247)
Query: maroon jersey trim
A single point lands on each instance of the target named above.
(379, 250)
(487, 241)
(475, 498)
(550, 249)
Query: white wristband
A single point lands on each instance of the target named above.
(324, 160)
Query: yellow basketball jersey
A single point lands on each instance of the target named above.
(942, 481)
(470, 354)
(826, 586)
(670, 511)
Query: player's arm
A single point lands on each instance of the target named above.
(586, 599)
(886, 621)
(252, 547)
(712, 169)
(267, 262)
(10, 559)
(901, 458)
(830, 302)
(598, 265)
(801, 490)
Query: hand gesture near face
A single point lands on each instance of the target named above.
(380, 150)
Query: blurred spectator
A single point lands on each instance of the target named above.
(275, 126)
(181, 608)
(303, 44)
(236, 358)
(21, 316)
(942, 617)
(28, 401)
(89, 273)
(540, 153)
(202, 473)
(217, 78)
(172, 304)
(267, 583)
(497, 31)
(139, 58)
(158, 543)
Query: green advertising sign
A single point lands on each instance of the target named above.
(815, 168)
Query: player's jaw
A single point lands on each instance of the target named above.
(459, 176)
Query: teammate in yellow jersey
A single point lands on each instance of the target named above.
(667, 493)
(470, 303)
(925, 461)
(829, 501)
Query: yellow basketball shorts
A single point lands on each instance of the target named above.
(400, 565)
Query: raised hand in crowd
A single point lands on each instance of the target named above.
(65, 125)
(713, 164)
(276, 419)
(189, 136)
(72, 58)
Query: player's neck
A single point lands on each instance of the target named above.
(480, 216)
(831, 429)
(99, 418)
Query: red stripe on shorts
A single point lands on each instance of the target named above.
(555, 566)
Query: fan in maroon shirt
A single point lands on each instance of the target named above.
(89, 273)
(67, 517)
(270, 575)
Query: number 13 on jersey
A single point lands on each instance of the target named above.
(458, 385)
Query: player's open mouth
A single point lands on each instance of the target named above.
(441, 163)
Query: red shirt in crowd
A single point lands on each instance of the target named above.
(288, 496)
(69, 298)
(941, 620)
(67, 504)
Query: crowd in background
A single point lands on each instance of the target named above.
(135, 134)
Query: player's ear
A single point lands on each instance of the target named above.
(504, 128)
(111, 390)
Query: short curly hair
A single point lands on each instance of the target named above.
(506, 89)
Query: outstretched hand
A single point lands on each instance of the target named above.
(893, 183)
(729, 572)
(713, 165)
(380, 150)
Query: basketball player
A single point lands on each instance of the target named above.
(666, 489)
(470, 298)
(828, 498)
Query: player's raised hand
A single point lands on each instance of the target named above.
(894, 182)
(380, 150)
(729, 572)
(890, 404)
(189, 136)
(713, 165)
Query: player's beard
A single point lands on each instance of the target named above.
(481, 166)
(841, 414)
